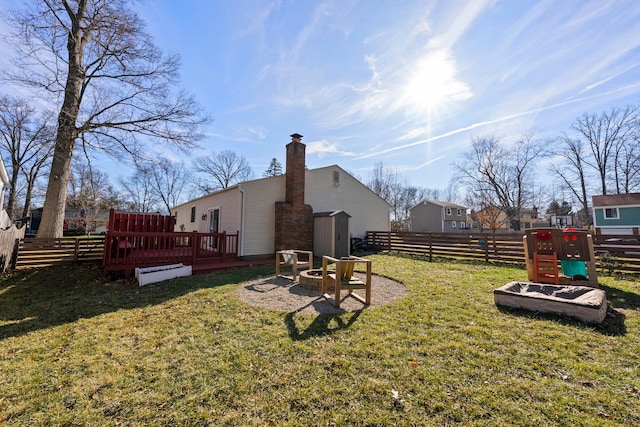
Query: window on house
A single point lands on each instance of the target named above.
(463, 224)
(448, 211)
(193, 214)
(459, 212)
(453, 224)
(336, 178)
(611, 213)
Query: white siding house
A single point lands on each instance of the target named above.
(5, 221)
(249, 207)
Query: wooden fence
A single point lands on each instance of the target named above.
(34, 252)
(8, 239)
(487, 247)
(496, 248)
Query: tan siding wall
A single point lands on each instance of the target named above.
(229, 202)
(368, 211)
(259, 225)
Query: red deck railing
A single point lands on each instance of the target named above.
(146, 240)
(127, 250)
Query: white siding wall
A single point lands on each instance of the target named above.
(229, 202)
(367, 210)
(260, 214)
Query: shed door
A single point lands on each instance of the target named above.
(342, 235)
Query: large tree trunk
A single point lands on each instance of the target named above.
(52, 224)
(11, 203)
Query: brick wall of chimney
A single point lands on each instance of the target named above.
(294, 219)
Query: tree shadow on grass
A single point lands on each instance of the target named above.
(41, 298)
(322, 325)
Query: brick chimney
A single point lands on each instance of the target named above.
(295, 171)
(294, 219)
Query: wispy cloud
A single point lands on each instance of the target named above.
(491, 122)
(324, 148)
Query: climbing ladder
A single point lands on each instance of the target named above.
(545, 268)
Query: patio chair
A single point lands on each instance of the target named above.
(343, 278)
(291, 258)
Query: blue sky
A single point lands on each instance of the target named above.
(406, 83)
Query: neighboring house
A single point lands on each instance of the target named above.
(437, 216)
(561, 221)
(5, 221)
(74, 222)
(530, 218)
(250, 207)
(489, 218)
(616, 213)
(494, 218)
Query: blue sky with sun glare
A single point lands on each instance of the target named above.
(405, 83)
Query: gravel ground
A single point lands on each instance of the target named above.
(282, 293)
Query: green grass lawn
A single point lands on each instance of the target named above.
(76, 349)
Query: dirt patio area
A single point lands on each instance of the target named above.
(282, 293)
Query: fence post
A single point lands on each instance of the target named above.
(430, 243)
(76, 250)
(14, 254)
(195, 244)
(486, 248)
(224, 246)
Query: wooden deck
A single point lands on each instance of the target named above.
(126, 251)
(140, 240)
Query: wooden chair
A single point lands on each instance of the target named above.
(291, 258)
(343, 278)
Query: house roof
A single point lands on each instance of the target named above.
(616, 200)
(233, 187)
(331, 213)
(441, 204)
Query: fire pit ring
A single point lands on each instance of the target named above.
(312, 280)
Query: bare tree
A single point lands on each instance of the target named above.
(503, 174)
(169, 180)
(627, 163)
(387, 184)
(382, 180)
(90, 192)
(571, 170)
(139, 192)
(605, 135)
(111, 84)
(27, 139)
(222, 170)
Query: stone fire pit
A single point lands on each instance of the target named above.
(312, 280)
